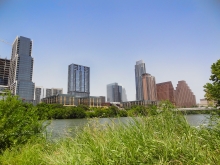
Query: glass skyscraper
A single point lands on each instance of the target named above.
(114, 92)
(78, 80)
(21, 69)
(139, 71)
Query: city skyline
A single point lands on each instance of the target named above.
(177, 40)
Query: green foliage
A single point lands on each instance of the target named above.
(18, 121)
(164, 137)
(212, 90)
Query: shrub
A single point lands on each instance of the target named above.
(18, 121)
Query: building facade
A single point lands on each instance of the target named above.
(124, 95)
(78, 80)
(139, 71)
(145, 103)
(165, 91)
(184, 97)
(53, 91)
(114, 92)
(70, 100)
(4, 71)
(21, 69)
(39, 94)
(149, 87)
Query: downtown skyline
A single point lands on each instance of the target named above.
(177, 41)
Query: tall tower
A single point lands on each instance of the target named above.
(78, 80)
(149, 87)
(139, 70)
(21, 69)
(39, 94)
(114, 92)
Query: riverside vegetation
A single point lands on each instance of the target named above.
(163, 137)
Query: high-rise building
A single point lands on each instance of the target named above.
(139, 70)
(4, 71)
(53, 91)
(165, 91)
(21, 69)
(78, 80)
(184, 97)
(149, 87)
(39, 94)
(114, 92)
(124, 95)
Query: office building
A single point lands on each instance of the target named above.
(165, 91)
(39, 94)
(149, 87)
(124, 95)
(53, 91)
(146, 103)
(183, 95)
(70, 100)
(102, 99)
(21, 69)
(4, 71)
(114, 92)
(78, 80)
(139, 71)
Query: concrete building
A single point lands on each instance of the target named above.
(4, 71)
(114, 92)
(78, 80)
(124, 95)
(145, 103)
(183, 95)
(165, 91)
(206, 103)
(102, 99)
(39, 94)
(70, 100)
(53, 91)
(149, 87)
(21, 69)
(139, 71)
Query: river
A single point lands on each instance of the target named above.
(68, 127)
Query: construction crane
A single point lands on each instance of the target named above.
(5, 42)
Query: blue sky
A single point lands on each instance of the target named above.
(178, 40)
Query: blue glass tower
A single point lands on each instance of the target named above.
(78, 80)
(21, 69)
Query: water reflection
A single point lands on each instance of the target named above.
(70, 127)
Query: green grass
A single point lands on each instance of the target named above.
(164, 138)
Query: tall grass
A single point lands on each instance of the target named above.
(164, 138)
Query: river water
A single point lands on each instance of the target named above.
(69, 127)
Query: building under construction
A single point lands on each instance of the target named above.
(4, 71)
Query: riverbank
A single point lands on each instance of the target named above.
(163, 138)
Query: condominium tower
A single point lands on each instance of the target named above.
(184, 97)
(53, 91)
(114, 92)
(139, 71)
(21, 69)
(39, 94)
(149, 87)
(78, 80)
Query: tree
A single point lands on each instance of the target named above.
(212, 90)
(18, 121)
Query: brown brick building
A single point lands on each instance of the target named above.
(181, 97)
(165, 91)
(184, 97)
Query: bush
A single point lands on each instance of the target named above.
(18, 121)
